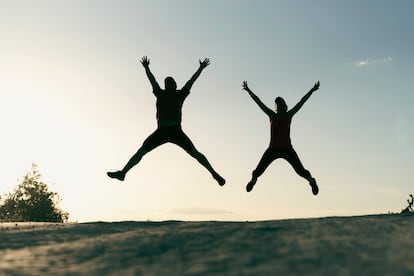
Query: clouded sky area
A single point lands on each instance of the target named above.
(76, 101)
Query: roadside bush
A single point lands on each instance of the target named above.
(409, 208)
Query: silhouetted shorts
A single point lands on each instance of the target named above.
(169, 134)
(289, 154)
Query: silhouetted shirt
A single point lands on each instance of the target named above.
(280, 132)
(169, 105)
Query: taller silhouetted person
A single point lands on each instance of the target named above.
(280, 144)
(169, 104)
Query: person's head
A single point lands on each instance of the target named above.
(281, 106)
(170, 84)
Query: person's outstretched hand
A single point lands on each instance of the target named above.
(245, 86)
(204, 63)
(145, 61)
(315, 87)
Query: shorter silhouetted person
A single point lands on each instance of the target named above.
(169, 104)
(280, 144)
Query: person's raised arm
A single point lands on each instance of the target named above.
(155, 86)
(304, 99)
(190, 82)
(262, 106)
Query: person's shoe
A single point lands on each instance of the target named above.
(251, 184)
(221, 181)
(315, 189)
(117, 175)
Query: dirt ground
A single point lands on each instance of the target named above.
(364, 245)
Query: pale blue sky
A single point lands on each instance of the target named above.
(75, 100)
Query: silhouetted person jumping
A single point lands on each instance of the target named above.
(280, 145)
(169, 104)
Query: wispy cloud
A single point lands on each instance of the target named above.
(366, 62)
(387, 60)
(362, 63)
(388, 191)
(200, 211)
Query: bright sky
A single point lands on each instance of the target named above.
(76, 101)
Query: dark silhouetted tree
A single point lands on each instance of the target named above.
(32, 201)
(409, 208)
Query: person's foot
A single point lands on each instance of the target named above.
(315, 189)
(251, 184)
(117, 175)
(221, 181)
